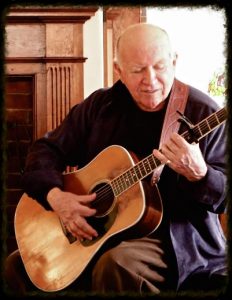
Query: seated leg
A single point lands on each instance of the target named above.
(134, 266)
(15, 274)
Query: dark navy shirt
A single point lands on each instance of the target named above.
(109, 117)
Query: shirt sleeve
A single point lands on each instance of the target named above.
(210, 192)
(64, 146)
(49, 156)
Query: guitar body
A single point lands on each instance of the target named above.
(53, 260)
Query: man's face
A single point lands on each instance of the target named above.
(148, 73)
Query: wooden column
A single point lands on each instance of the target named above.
(116, 20)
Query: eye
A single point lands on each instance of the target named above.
(139, 70)
(160, 67)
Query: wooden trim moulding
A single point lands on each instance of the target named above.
(45, 59)
(50, 15)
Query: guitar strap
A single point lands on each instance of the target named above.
(177, 102)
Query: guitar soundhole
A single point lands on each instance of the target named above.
(106, 211)
(104, 199)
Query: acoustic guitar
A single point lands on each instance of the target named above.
(125, 206)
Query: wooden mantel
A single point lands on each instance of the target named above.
(47, 43)
(50, 15)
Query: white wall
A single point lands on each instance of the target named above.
(198, 36)
(93, 49)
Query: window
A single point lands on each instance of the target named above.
(198, 36)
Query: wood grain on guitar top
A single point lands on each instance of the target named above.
(50, 259)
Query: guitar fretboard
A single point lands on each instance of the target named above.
(147, 165)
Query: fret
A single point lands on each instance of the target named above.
(115, 187)
(208, 125)
(128, 178)
(142, 168)
(147, 166)
(152, 162)
(221, 115)
(212, 121)
(138, 173)
(155, 161)
(199, 130)
(132, 177)
(123, 182)
(121, 185)
(204, 128)
(216, 117)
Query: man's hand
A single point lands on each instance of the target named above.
(73, 210)
(184, 158)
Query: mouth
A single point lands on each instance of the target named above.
(150, 91)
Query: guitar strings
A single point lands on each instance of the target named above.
(120, 183)
(208, 124)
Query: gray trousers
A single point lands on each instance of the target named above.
(136, 265)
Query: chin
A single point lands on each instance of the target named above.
(152, 105)
(148, 107)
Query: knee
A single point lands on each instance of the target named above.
(13, 269)
(107, 262)
(11, 264)
(113, 259)
(109, 272)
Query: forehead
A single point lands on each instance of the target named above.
(148, 55)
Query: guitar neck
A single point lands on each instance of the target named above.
(147, 165)
(206, 126)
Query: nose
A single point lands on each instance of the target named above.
(149, 76)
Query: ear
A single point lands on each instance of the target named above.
(175, 57)
(117, 69)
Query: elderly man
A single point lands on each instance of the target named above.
(187, 248)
